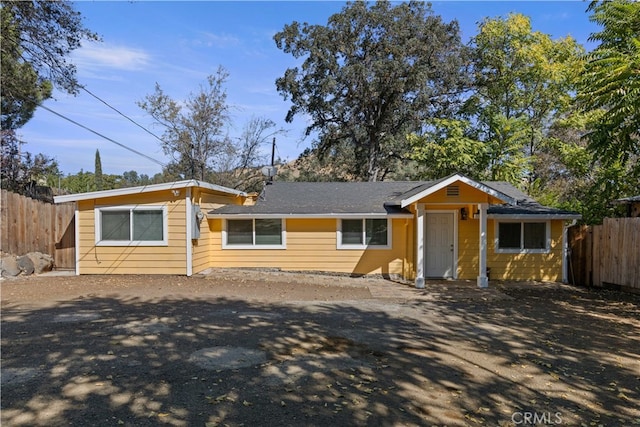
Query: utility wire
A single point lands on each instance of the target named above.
(121, 113)
(102, 136)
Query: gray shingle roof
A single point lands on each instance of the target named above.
(373, 198)
(323, 198)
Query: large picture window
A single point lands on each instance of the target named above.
(522, 237)
(131, 225)
(363, 233)
(254, 233)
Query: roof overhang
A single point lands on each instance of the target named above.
(306, 216)
(146, 189)
(455, 178)
(532, 216)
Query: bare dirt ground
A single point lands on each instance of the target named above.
(266, 348)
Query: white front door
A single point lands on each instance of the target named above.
(439, 244)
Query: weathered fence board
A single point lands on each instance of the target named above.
(29, 225)
(607, 254)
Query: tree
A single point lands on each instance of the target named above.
(611, 81)
(195, 130)
(98, 172)
(373, 74)
(239, 168)
(20, 171)
(21, 90)
(523, 82)
(47, 32)
(448, 148)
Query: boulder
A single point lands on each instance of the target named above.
(9, 266)
(41, 262)
(25, 264)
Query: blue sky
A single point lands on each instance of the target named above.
(178, 44)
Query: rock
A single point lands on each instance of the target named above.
(41, 262)
(25, 264)
(9, 266)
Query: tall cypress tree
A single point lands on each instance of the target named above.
(98, 172)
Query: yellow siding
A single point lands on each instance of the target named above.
(202, 247)
(545, 267)
(311, 245)
(170, 259)
(506, 266)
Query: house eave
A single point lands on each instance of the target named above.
(544, 217)
(307, 216)
(146, 189)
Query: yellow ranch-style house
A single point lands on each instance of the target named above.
(454, 227)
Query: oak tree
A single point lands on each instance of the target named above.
(374, 73)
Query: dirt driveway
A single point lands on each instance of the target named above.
(266, 348)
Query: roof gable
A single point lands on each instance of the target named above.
(431, 187)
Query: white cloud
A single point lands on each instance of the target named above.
(217, 40)
(95, 56)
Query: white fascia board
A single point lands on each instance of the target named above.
(453, 179)
(544, 217)
(145, 189)
(308, 216)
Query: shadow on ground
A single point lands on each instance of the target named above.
(566, 356)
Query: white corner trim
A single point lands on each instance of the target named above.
(189, 225)
(76, 224)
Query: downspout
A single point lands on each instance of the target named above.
(189, 233)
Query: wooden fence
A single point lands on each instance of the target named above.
(607, 254)
(28, 225)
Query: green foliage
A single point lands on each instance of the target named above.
(370, 76)
(448, 149)
(98, 172)
(195, 130)
(611, 81)
(45, 33)
(523, 82)
(20, 171)
(21, 89)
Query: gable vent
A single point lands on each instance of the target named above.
(453, 191)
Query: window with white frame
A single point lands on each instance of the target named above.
(364, 233)
(257, 233)
(131, 225)
(523, 236)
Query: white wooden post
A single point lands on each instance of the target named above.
(483, 280)
(420, 247)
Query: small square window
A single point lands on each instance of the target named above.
(240, 232)
(351, 231)
(509, 235)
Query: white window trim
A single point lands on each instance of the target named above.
(253, 246)
(364, 231)
(498, 250)
(98, 226)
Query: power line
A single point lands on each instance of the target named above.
(121, 113)
(103, 136)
